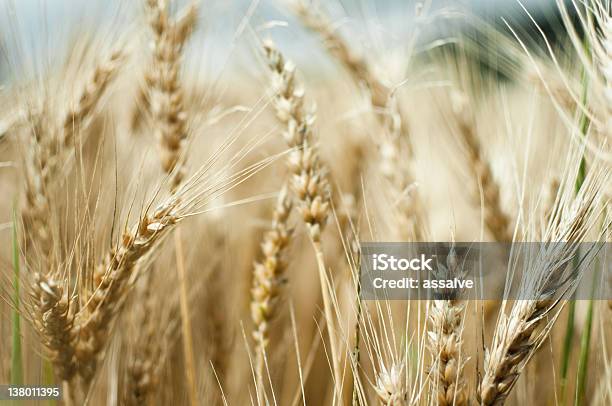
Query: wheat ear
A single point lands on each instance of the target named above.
(38, 171)
(446, 341)
(52, 144)
(267, 279)
(54, 322)
(495, 218)
(308, 180)
(165, 90)
(518, 334)
(308, 176)
(111, 280)
(78, 115)
(394, 146)
(390, 385)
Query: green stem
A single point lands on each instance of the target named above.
(585, 345)
(584, 125)
(16, 359)
(567, 347)
(48, 379)
(584, 354)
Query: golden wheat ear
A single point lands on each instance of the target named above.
(94, 324)
(519, 333)
(308, 175)
(164, 90)
(445, 337)
(54, 321)
(394, 144)
(496, 220)
(51, 147)
(267, 279)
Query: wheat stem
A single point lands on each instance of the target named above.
(185, 320)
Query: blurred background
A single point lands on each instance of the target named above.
(34, 33)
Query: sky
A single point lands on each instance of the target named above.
(39, 29)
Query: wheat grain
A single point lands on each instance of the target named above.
(170, 124)
(94, 322)
(50, 148)
(78, 115)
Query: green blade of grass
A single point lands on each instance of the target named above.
(584, 125)
(16, 359)
(567, 348)
(48, 378)
(585, 345)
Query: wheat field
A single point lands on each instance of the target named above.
(186, 187)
